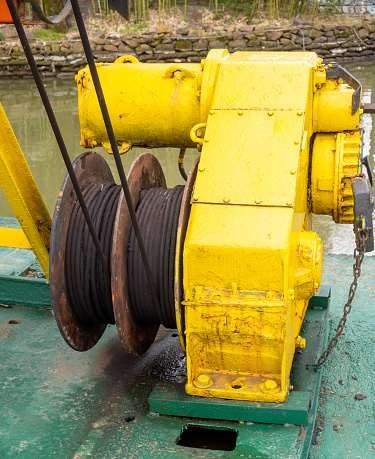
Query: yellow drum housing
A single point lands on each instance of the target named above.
(278, 142)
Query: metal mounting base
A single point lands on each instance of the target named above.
(300, 408)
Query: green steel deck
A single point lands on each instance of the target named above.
(56, 402)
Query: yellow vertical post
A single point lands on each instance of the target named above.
(23, 195)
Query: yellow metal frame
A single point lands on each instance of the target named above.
(23, 195)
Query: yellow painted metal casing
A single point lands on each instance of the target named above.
(151, 105)
(332, 110)
(335, 158)
(250, 263)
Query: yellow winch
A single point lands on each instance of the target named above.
(279, 137)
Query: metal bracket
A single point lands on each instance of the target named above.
(363, 206)
(335, 71)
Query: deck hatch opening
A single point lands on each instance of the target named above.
(208, 437)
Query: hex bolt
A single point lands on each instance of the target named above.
(203, 381)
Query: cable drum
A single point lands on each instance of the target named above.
(158, 213)
(84, 298)
(89, 290)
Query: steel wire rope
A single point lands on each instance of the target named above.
(112, 140)
(88, 289)
(56, 130)
(158, 212)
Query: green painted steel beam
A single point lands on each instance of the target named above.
(322, 298)
(171, 399)
(25, 291)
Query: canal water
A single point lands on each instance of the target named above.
(21, 102)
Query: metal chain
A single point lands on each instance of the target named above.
(359, 253)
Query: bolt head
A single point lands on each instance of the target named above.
(270, 113)
(203, 381)
(270, 384)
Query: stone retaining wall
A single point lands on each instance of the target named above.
(65, 58)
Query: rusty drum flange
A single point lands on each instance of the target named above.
(89, 168)
(144, 173)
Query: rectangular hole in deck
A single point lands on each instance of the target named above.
(208, 438)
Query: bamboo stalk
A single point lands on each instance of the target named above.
(100, 9)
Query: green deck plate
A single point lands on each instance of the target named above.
(25, 291)
(15, 262)
(59, 403)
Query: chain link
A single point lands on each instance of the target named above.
(359, 253)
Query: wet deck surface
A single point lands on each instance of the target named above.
(58, 402)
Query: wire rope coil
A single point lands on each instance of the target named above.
(158, 213)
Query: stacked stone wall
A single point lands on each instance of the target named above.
(64, 58)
